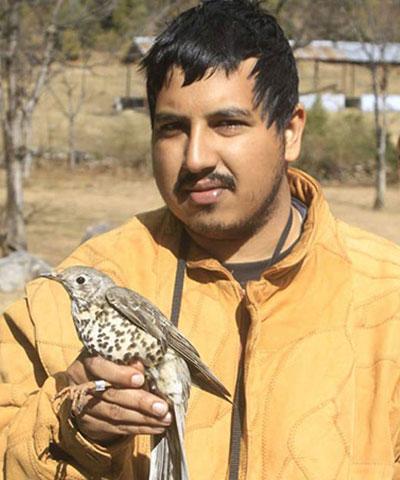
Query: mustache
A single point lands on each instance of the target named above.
(189, 179)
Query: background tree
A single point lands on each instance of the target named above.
(70, 97)
(31, 40)
(139, 17)
(375, 23)
(306, 20)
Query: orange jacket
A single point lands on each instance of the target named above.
(322, 356)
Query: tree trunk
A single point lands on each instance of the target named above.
(71, 142)
(398, 160)
(27, 161)
(12, 125)
(128, 80)
(380, 133)
(14, 153)
(379, 203)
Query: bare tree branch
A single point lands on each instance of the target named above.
(47, 59)
(373, 24)
(29, 33)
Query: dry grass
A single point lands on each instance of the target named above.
(353, 204)
(65, 204)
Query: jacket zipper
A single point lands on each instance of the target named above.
(238, 447)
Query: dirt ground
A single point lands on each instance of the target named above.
(60, 205)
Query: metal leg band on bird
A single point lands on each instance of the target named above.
(100, 385)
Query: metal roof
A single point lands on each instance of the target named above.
(144, 43)
(333, 102)
(317, 50)
(139, 47)
(349, 52)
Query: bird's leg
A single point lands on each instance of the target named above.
(79, 394)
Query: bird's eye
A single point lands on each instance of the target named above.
(81, 280)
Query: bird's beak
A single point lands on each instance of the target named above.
(52, 275)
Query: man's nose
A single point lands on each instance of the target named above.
(199, 152)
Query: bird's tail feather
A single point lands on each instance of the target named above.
(160, 466)
(206, 380)
(168, 458)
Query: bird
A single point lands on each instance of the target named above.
(122, 326)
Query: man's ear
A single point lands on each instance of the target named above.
(293, 133)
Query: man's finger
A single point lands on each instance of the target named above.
(102, 430)
(139, 400)
(116, 414)
(128, 376)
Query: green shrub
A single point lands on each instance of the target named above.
(71, 45)
(341, 146)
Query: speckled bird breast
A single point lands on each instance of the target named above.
(108, 333)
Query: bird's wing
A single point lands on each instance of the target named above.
(145, 315)
(137, 310)
(149, 318)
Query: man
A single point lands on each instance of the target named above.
(297, 313)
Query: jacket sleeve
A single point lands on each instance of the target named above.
(37, 438)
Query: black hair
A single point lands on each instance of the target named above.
(220, 34)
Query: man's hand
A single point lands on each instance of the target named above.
(122, 410)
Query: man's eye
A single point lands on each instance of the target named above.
(170, 126)
(168, 129)
(230, 126)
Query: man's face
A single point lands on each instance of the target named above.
(217, 166)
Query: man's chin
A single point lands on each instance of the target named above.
(218, 230)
